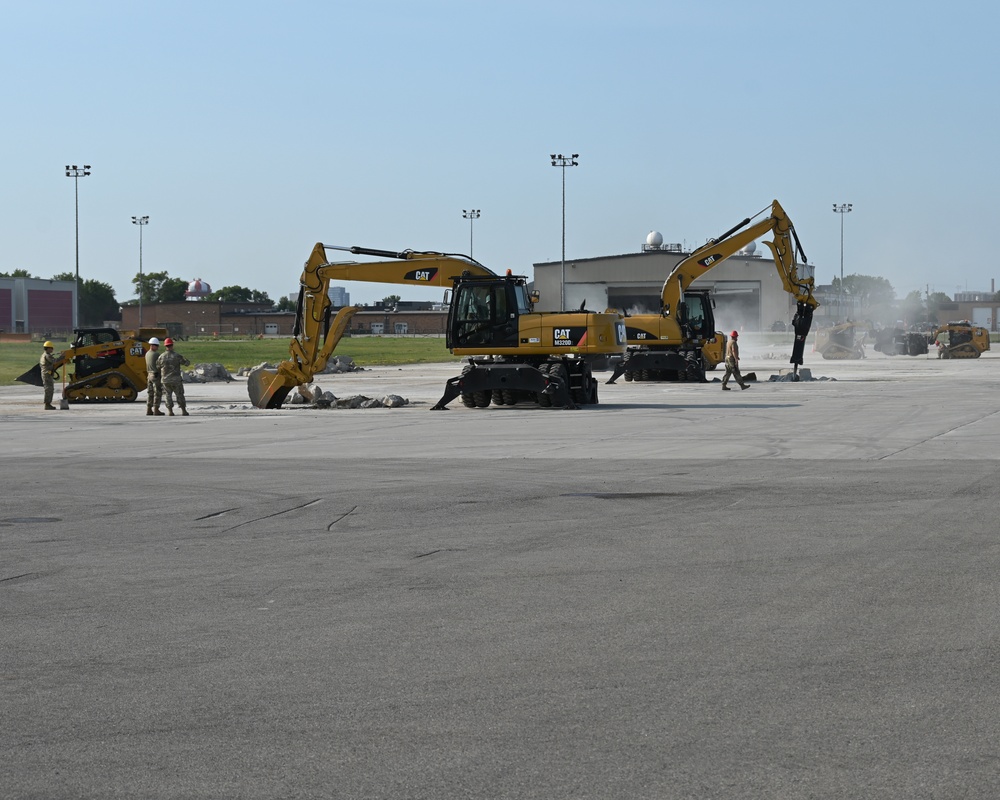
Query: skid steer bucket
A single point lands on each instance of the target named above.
(32, 376)
(268, 388)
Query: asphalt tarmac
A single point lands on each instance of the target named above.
(787, 592)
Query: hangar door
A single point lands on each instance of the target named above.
(737, 305)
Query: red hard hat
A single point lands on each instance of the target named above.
(735, 334)
(168, 342)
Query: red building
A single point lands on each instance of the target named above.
(43, 307)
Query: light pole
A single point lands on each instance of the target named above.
(471, 214)
(563, 161)
(842, 209)
(75, 172)
(141, 222)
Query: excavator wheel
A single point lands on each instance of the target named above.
(544, 400)
(482, 399)
(509, 397)
(559, 371)
(694, 372)
(497, 397)
(628, 376)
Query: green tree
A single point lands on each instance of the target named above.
(285, 303)
(158, 287)
(239, 294)
(22, 273)
(97, 300)
(391, 301)
(870, 289)
(912, 308)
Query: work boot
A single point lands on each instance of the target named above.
(170, 412)
(184, 412)
(149, 412)
(744, 385)
(726, 389)
(49, 407)
(157, 413)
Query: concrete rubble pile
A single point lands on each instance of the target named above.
(312, 395)
(205, 373)
(805, 374)
(334, 365)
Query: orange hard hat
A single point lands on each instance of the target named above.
(735, 334)
(168, 342)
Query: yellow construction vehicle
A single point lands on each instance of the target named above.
(101, 365)
(673, 341)
(515, 354)
(961, 339)
(841, 341)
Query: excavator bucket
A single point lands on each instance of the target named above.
(268, 388)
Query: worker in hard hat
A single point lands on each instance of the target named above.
(154, 387)
(47, 363)
(733, 363)
(170, 375)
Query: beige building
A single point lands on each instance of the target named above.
(748, 292)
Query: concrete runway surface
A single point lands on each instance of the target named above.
(787, 592)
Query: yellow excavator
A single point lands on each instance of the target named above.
(673, 341)
(515, 354)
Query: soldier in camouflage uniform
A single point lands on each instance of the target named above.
(170, 375)
(47, 363)
(154, 389)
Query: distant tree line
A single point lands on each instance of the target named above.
(879, 303)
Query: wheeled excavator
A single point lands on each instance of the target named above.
(673, 340)
(515, 354)
(102, 365)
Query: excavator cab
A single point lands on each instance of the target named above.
(696, 317)
(485, 310)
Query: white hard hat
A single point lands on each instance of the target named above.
(154, 340)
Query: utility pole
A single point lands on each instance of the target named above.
(471, 215)
(141, 222)
(75, 172)
(842, 209)
(559, 160)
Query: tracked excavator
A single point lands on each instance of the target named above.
(961, 339)
(673, 341)
(102, 365)
(515, 354)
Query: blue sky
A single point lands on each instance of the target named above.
(249, 131)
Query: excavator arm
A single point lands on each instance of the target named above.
(315, 338)
(783, 249)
